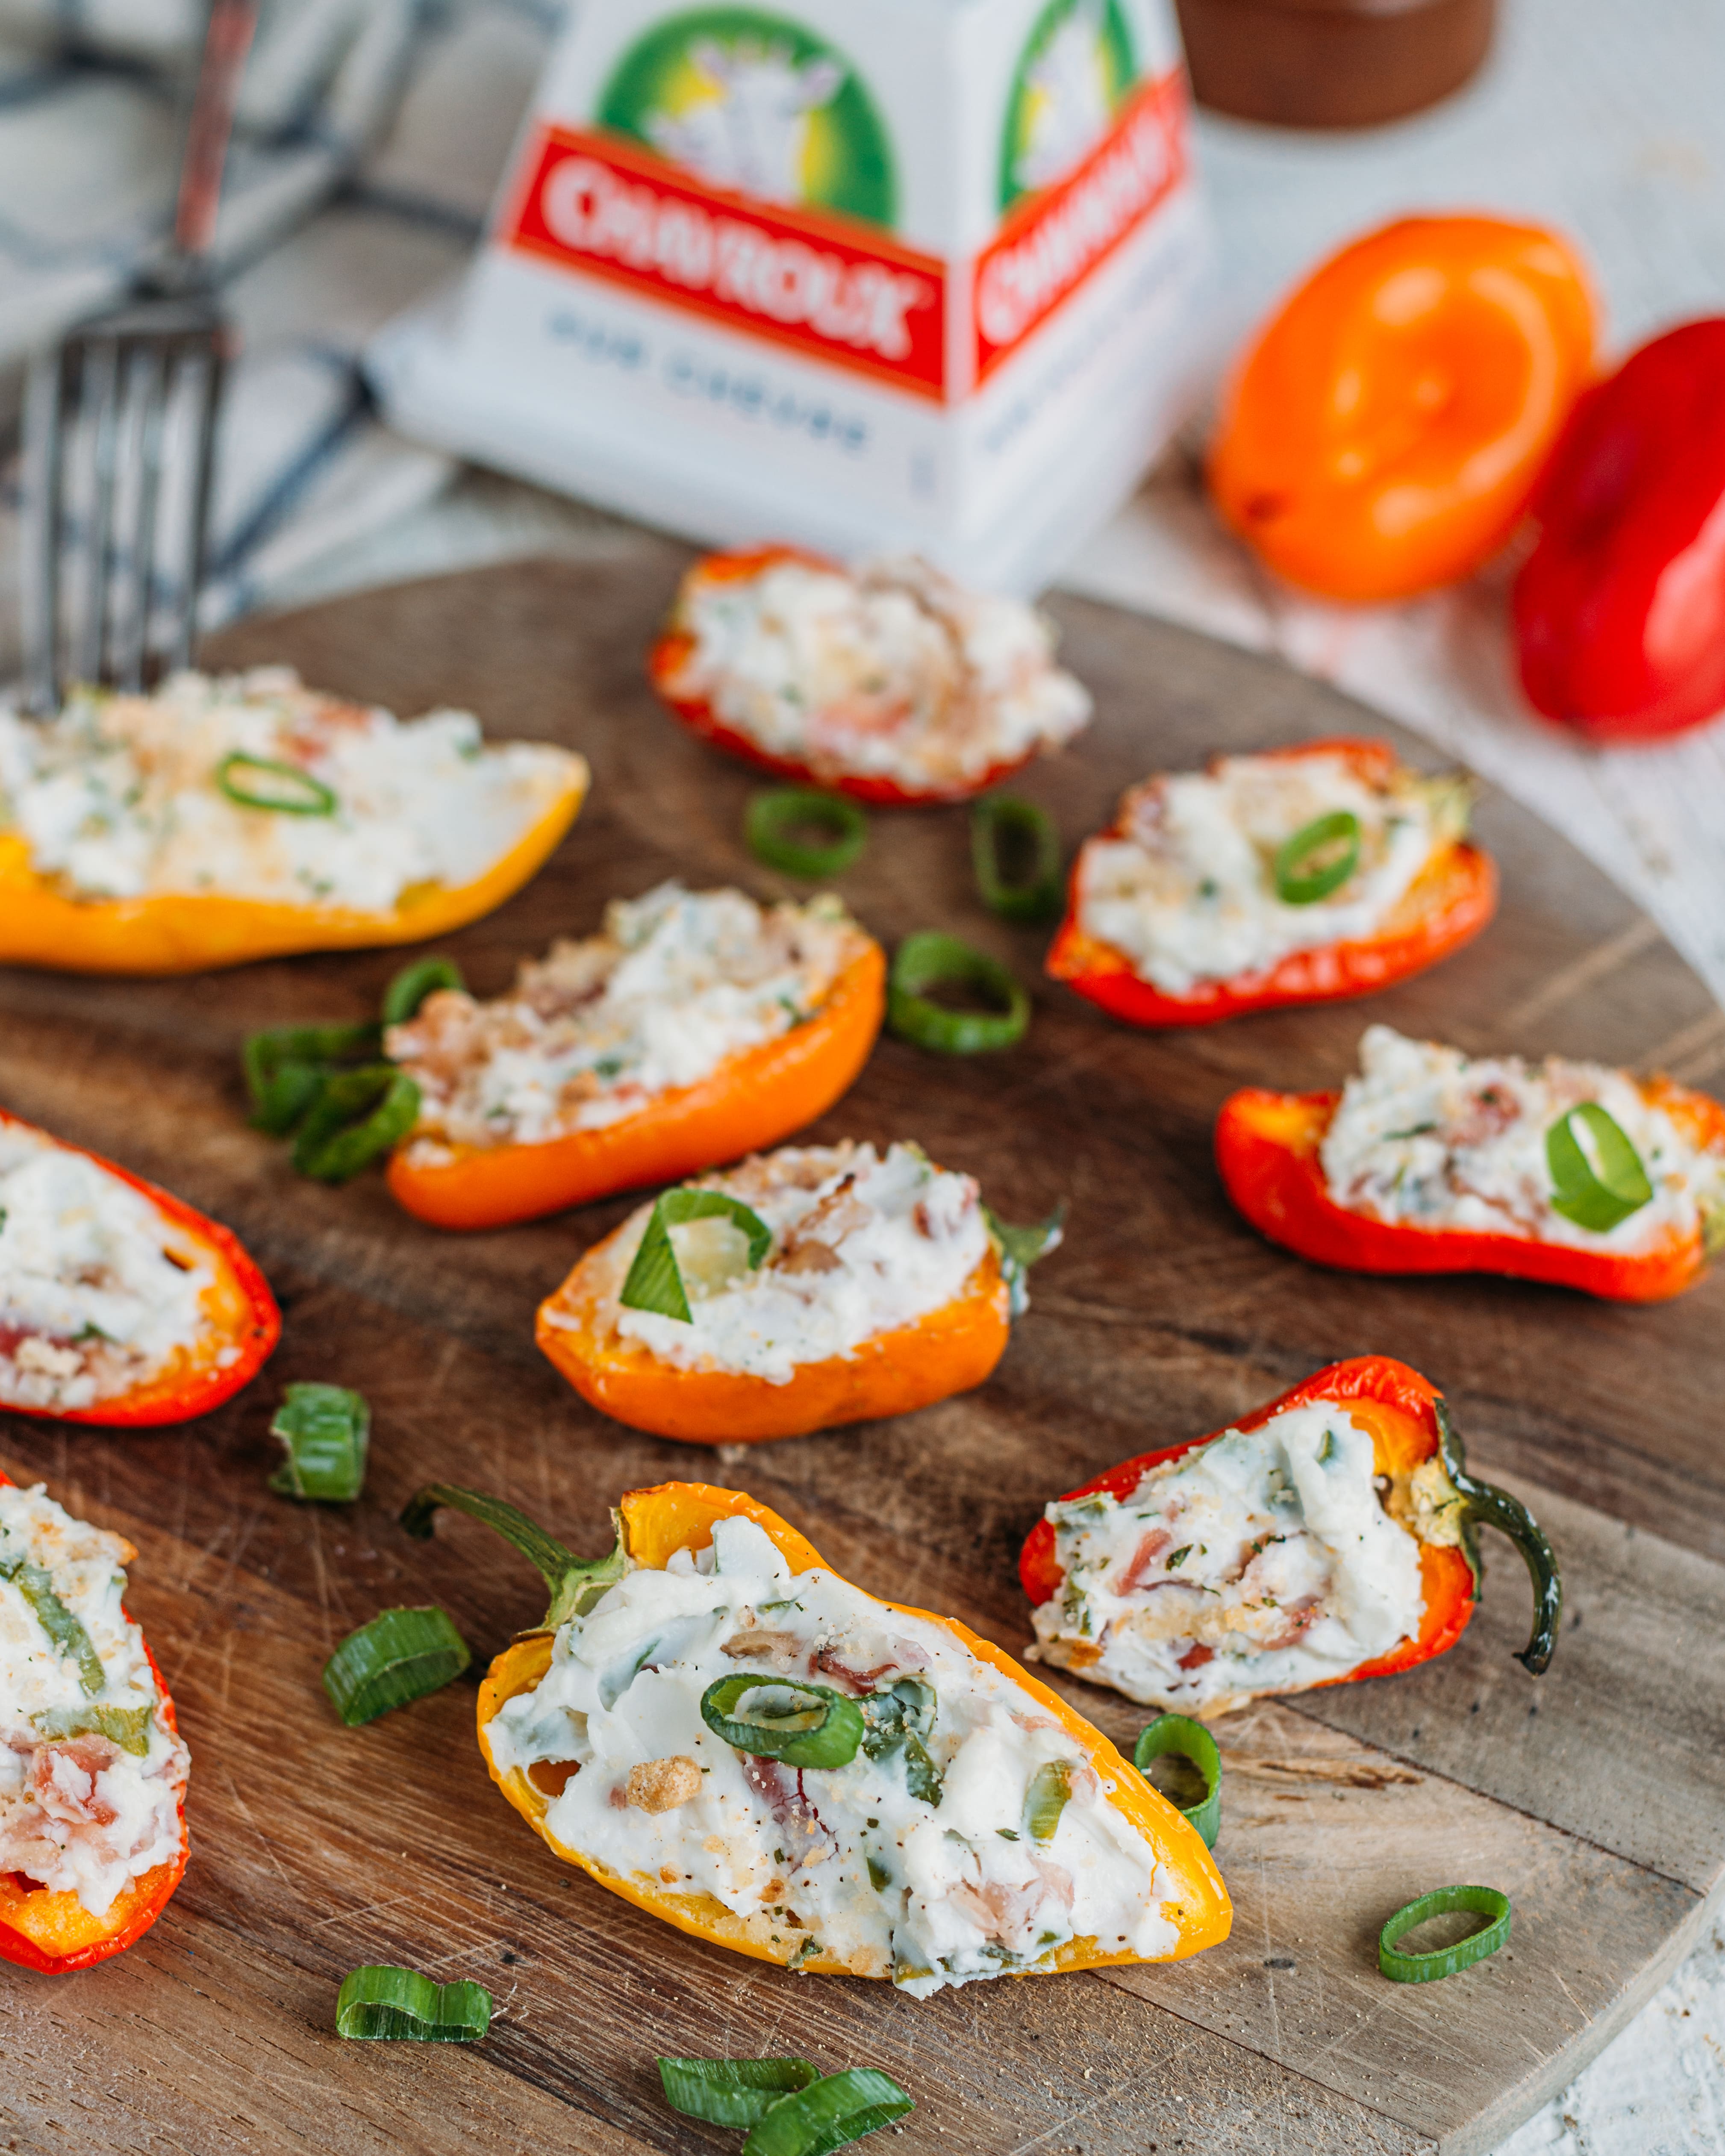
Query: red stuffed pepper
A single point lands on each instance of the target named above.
(118, 1305)
(1297, 876)
(1328, 1536)
(92, 1767)
(893, 684)
(1432, 1161)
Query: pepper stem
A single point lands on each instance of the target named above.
(1487, 1506)
(576, 1583)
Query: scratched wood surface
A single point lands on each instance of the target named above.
(1596, 1798)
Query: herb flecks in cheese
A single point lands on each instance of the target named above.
(120, 796)
(98, 1291)
(1266, 1561)
(1428, 1137)
(895, 672)
(78, 1813)
(1185, 885)
(914, 1861)
(862, 1243)
(678, 983)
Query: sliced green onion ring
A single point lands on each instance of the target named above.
(285, 1068)
(831, 2114)
(1018, 1249)
(813, 1727)
(62, 1628)
(655, 1282)
(1047, 1797)
(327, 1431)
(357, 1116)
(382, 2001)
(1319, 858)
(896, 1719)
(576, 1583)
(127, 1726)
(1443, 1961)
(1001, 821)
(1594, 1197)
(1179, 1733)
(412, 985)
(400, 1656)
(732, 2092)
(931, 959)
(772, 821)
(260, 781)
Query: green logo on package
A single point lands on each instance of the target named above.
(754, 104)
(1071, 79)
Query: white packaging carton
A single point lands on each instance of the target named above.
(868, 274)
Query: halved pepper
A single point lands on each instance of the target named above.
(52, 1931)
(242, 1321)
(1448, 903)
(653, 1525)
(1411, 1426)
(1267, 1149)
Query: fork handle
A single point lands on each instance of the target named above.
(226, 43)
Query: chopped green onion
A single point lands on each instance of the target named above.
(732, 2091)
(1000, 824)
(835, 2111)
(65, 1630)
(1018, 1249)
(1318, 858)
(1598, 1194)
(412, 985)
(1180, 1734)
(260, 782)
(127, 1726)
(804, 1725)
(326, 1430)
(1050, 1789)
(286, 1067)
(930, 959)
(772, 820)
(358, 1115)
(896, 1719)
(576, 1583)
(655, 1282)
(400, 1656)
(1443, 1961)
(386, 2002)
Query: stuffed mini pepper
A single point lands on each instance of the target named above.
(1293, 877)
(719, 1729)
(225, 819)
(1429, 1161)
(1327, 1537)
(118, 1305)
(697, 1026)
(92, 1769)
(820, 1285)
(892, 684)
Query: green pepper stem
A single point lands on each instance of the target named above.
(576, 1583)
(1486, 1505)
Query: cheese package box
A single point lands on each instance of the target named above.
(927, 275)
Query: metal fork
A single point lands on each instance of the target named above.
(120, 433)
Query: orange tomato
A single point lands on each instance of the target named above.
(1383, 433)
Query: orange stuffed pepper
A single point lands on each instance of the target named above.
(1295, 876)
(698, 1026)
(893, 683)
(224, 820)
(92, 1767)
(715, 1727)
(814, 1287)
(118, 1305)
(1325, 1538)
(1433, 1162)
(1386, 431)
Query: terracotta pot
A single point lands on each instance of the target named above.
(1331, 62)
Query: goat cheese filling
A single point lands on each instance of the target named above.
(1185, 884)
(941, 1852)
(1265, 1561)
(131, 796)
(895, 672)
(98, 1289)
(92, 1776)
(1426, 1136)
(862, 1243)
(678, 982)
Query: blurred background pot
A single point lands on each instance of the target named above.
(1331, 62)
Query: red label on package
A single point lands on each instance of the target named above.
(1052, 242)
(829, 290)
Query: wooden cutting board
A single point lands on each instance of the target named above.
(1595, 1797)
